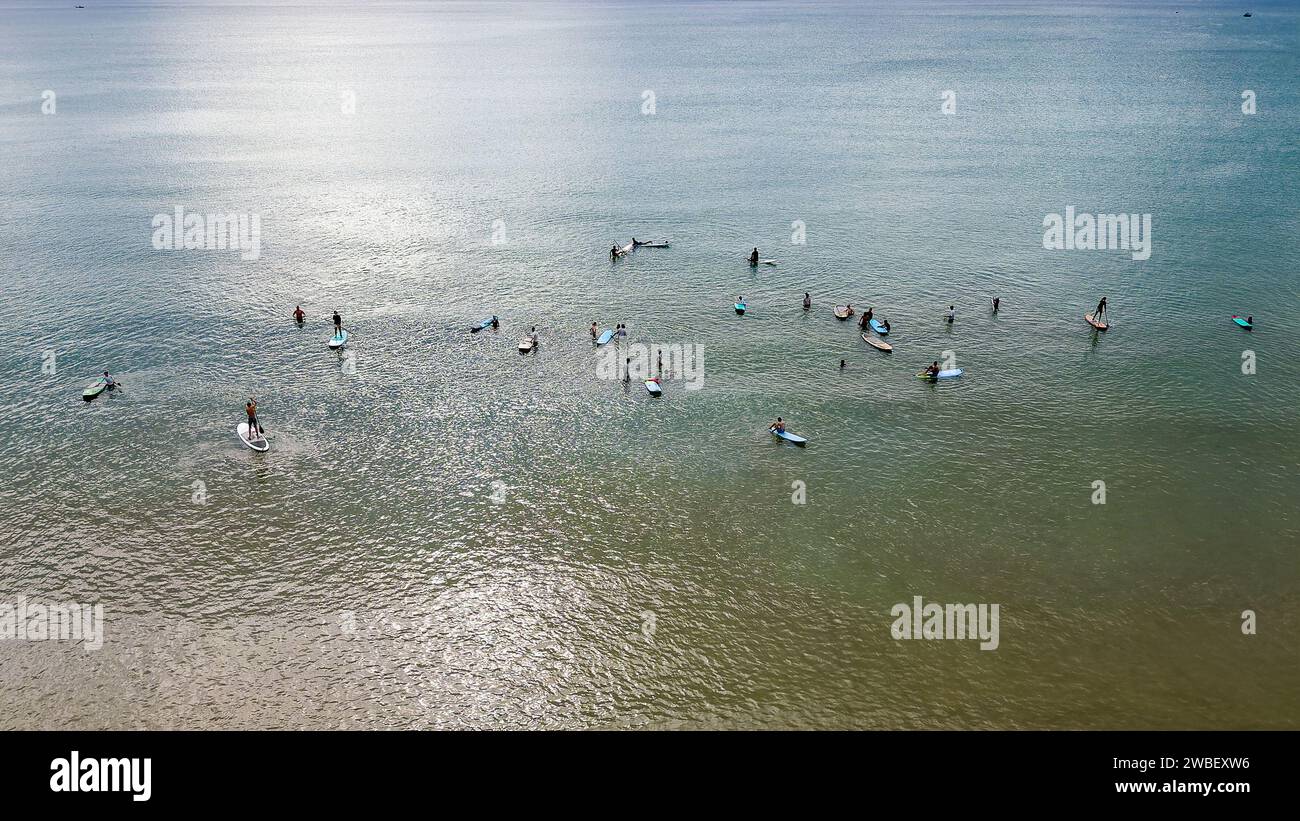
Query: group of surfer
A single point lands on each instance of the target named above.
(865, 322)
(615, 252)
(300, 316)
(620, 331)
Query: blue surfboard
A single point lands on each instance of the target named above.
(879, 328)
(605, 338)
(789, 437)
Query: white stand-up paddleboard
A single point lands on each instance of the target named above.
(259, 444)
(877, 343)
(526, 344)
(339, 340)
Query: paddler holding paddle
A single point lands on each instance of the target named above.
(1101, 308)
(254, 430)
(338, 324)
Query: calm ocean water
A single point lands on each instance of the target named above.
(446, 533)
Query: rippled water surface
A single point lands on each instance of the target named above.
(446, 533)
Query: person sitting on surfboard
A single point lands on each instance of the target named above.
(338, 324)
(298, 314)
(933, 370)
(807, 301)
(753, 257)
(779, 427)
(1101, 309)
(251, 409)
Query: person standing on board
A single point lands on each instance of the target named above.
(1101, 309)
(250, 408)
(338, 324)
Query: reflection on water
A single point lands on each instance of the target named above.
(448, 534)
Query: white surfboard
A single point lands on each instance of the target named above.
(259, 444)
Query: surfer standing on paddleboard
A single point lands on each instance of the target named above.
(1101, 309)
(338, 324)
(298, 314)
(251, 409)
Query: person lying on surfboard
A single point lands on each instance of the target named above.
(753, 257)
(298, 314)
(779, 427)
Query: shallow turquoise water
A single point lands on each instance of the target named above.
(367, 571)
